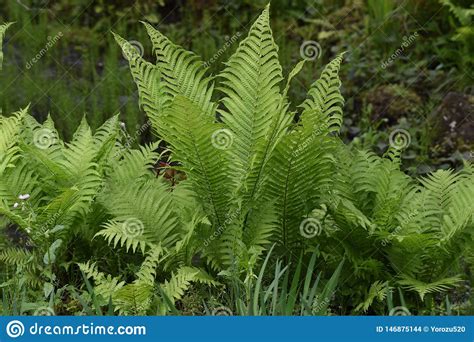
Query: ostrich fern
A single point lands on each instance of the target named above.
(265, 179)
(282, 170)
(256, 173)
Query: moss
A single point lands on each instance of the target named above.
(392, 102)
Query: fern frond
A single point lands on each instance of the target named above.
(182, 72)
(260, 229)
(378, 291)
(17, 257)
(142, 214)
(3, 28)
(147, 272)
(133, 299)
(19, 180)
(10, 129)
(105, 138)
(182, 279)
(302, 162)
(190, 135)
(147, 77)
(324, 96)
(252, 99)
(423, 288)
(438, 196)
(115, 233)
(135, 165)
(105, 286)
(460, 213)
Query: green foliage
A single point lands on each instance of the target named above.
(3, 28)
(300, 294)
(462, 21)
(97, 219)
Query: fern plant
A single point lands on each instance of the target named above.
(412, 234)
(94, 214)
(228, 160)
(47, 190)
(260, 172)
(462, 22)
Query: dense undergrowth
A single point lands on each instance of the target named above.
(245, 204)
(67, 45)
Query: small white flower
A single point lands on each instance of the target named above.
(16, 205)
(452, 125)
(122, 125)
(24, 197)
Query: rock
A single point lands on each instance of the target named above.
(454, 124)
(454, 128)
(18, 237)
(391, 102)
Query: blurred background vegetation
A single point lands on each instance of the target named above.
(426, 89)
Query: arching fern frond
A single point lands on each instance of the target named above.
(10, 128)
(143, 216)
(423, 288)
(152, 96)
(438, 195)
(134, 165)
(181, 279)
(190, 132)
(183, 72)
(105, 286)
(252, 98)
(325, 97)
(302, 162)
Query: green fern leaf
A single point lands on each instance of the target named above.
(325, 97)
(3, 28)
(423, 288)
(147, 77)
(252, 98)
(183, 72)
